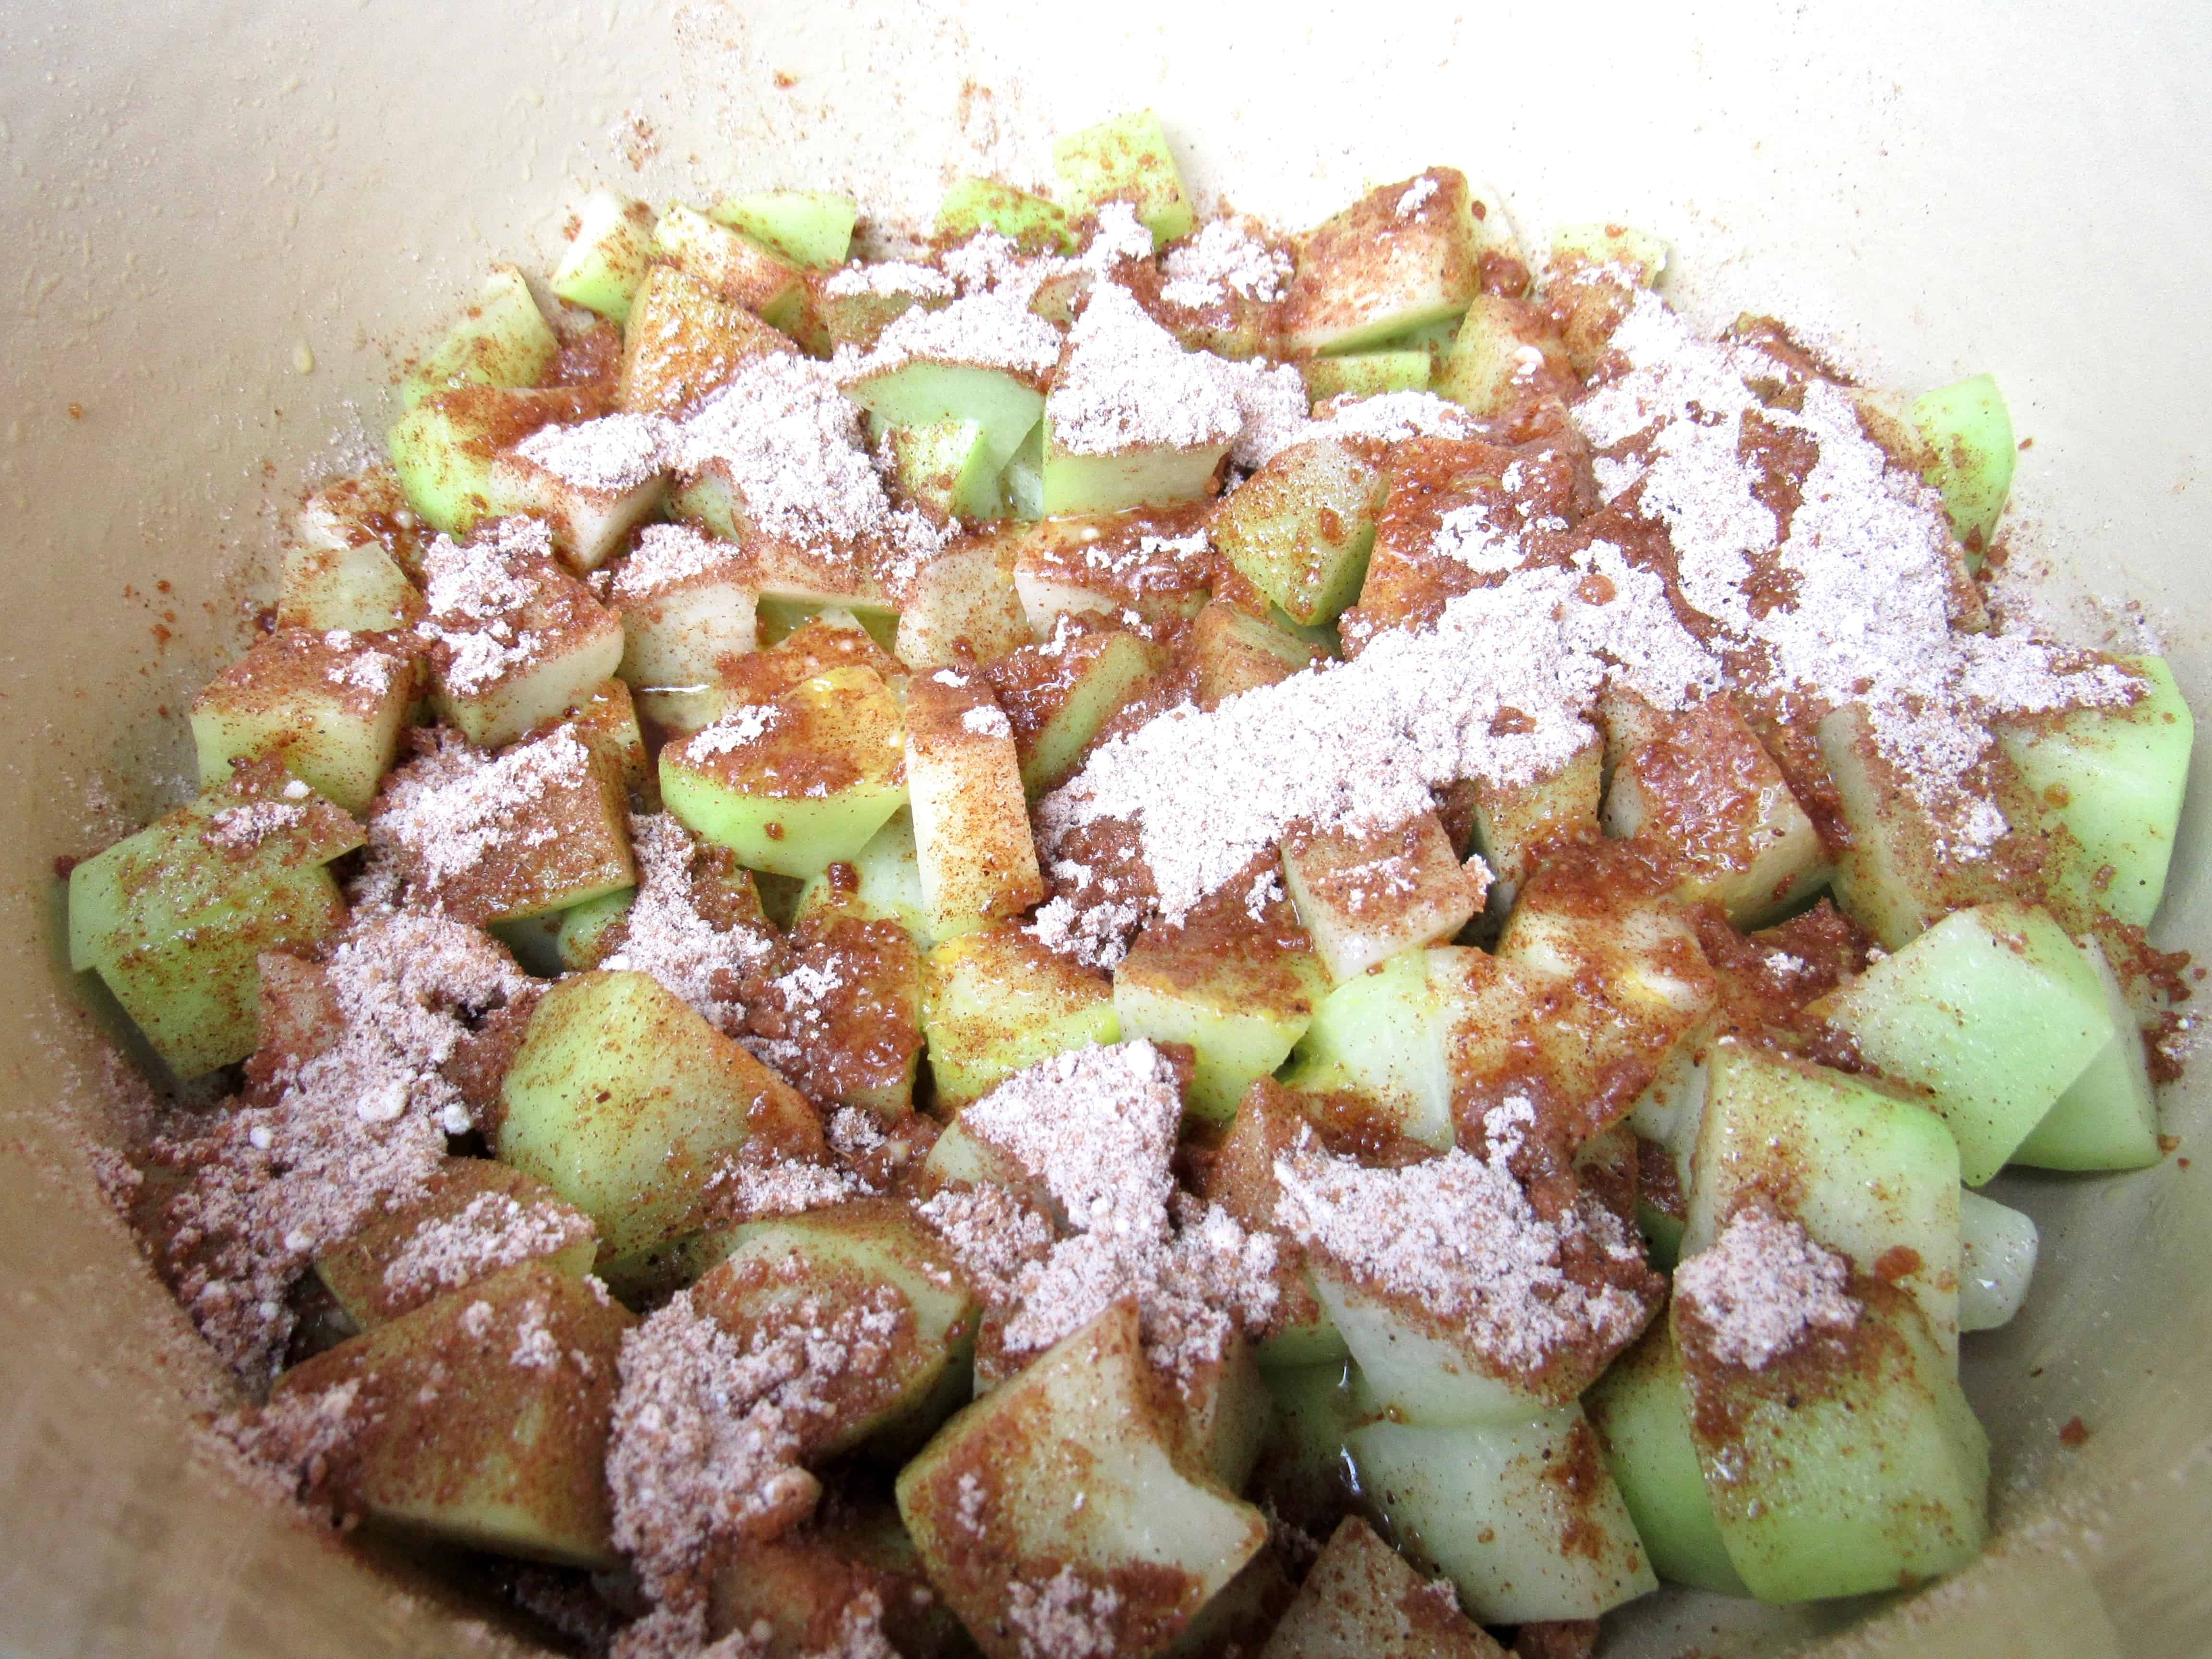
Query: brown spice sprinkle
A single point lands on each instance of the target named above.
(2075, 1433)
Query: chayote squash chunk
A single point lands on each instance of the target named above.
(996, 1002)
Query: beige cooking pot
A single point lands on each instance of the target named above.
(222, 220)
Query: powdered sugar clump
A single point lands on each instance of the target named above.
(664, 934)
(612, 455)
(1126, 383)
(1762, 1286)
(668, 554)
(1223, 258)
(1457, 1235)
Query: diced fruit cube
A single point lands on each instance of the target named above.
(805, 1588)
(946, 468)
(1515, 824)
(542, 827)
(443, 448)
(1227, 1411)
(1060, 692)
(1698, 785)
(1366, 897)
(1360, 1601)
(628, 1103)
(1845, 1464)
(1505, 351)
(734, 265)
(2107, 1119)
(1894, 878)
(1384, 1036)
(997, 1001)
(1157, 566)
(1874, 1178)
(880, 883)
(1522, 1516)
(1059, 1512)
(1240, 1176)
(1998, 1248)
(806, 227)
(798, 784)
(332, 706)
(974, 204)
(687, 610)
(1127, 159)
(1137, 474)
(175, 917)
(684, 342)
(1232, 651)
(476, 1218)
(607, 256)
(347, 553)
(965, 594)
(1641, 1410)
(591, 484)
(867, 1254)
(1240, 993)
(482, 1417)
(1367, 373)
(971, 824)
(1592, 282)
(2114, 777)
(1968, 430)
(1021, 483)
(1401, 256)
(831, 637)
(922, 392)
(515, 640)
(503, 340)
(1300, 528)
(1992, 1011)
(587, 930)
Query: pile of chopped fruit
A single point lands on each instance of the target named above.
(1130, 938)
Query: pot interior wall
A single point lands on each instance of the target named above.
(225, 225)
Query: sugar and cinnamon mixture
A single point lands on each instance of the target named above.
(1763, 1286)
(1097, 1128)
(330, 1136)
(667, 933)
(443, 815)
(1458, 1235)
(491, 1231)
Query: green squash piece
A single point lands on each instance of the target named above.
(974, 204)
(1400, 259)
(808, 228)
(882, 882)
(174, 918)
(2114, 777)
(1060, 692)
(459, 1442)
(1486, 368)
(604, 263)
(1146, 476)
(1361, 1600)
(627, 1103)
(923, 392)
(443, 448)
(996, 1002)
(502, 340)
(1127, 159)
(1969, 430)
(332, 706)
(798, 784)
(1833, 1476)
(1384, 1034)
(1994, 1012)
(1491, 1506)
(1871, 1177)
(845, 1256)
(1641, 1410)
(369, 1272)
(1241, 1000)
(1078, 1472)
(1998, 1248)
(1301, 528)
(1367, 373)
(741, 270)
(946, 468)
(2107, 1119)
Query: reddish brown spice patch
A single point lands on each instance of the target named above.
(2075, 1433)
(1900, 1262)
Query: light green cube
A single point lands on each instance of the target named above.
(1641, 1410)
(1301, 528)
(1994, 1012)
(808, 228)
(996, 1002)
(607, 254)
(1127, 159)
(502, 340)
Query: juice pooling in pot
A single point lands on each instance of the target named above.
(1132, 936)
